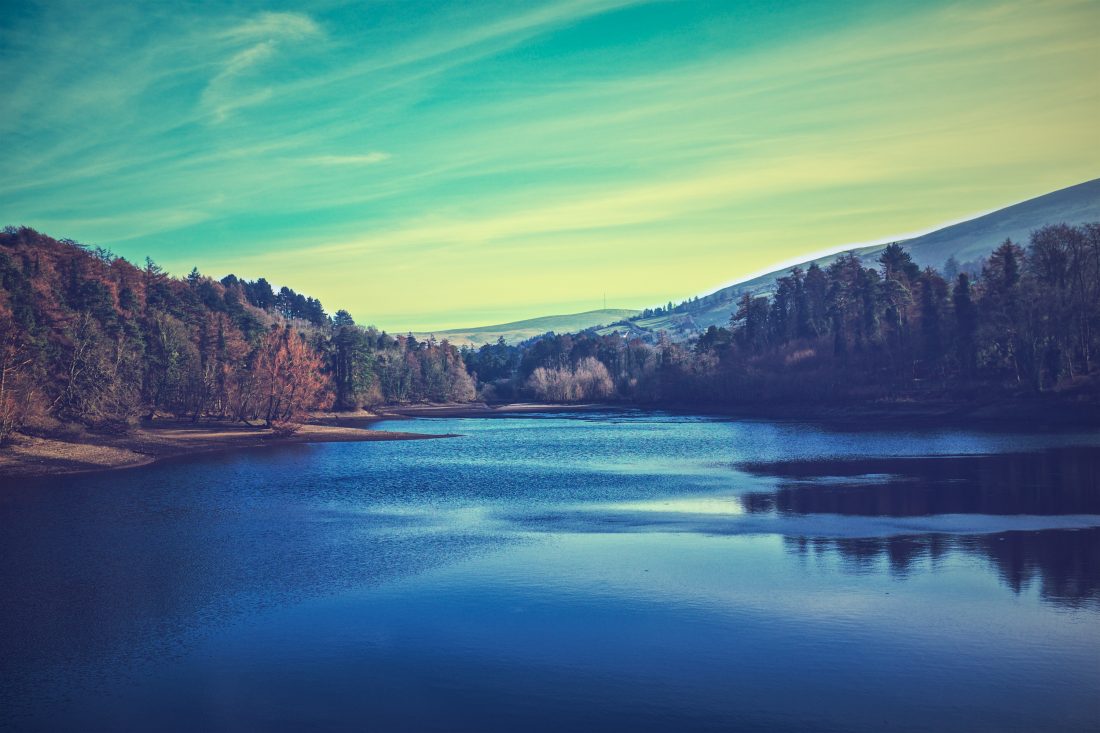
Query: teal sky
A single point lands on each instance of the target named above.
(433, 164)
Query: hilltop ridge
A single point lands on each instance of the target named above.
(967, 242)
(516, 331)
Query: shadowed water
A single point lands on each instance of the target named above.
(583, 572)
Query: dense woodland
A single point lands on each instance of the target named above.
(89, 339)
(1023, 321)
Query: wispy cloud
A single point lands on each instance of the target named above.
(266, 33)
(485, 149)
(274, 25)
(364, 159)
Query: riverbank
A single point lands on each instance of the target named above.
(33, 456)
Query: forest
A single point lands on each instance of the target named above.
(87, 338)
(1025, 320)
(90, 339)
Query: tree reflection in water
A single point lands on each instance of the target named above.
(1062, 481)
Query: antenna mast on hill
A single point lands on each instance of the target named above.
(605, 300)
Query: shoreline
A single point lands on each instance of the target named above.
(32, 457)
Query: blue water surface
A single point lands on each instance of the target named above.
(589, 571)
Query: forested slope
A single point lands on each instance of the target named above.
(89, 338)
(952, 249)
(1027, 322)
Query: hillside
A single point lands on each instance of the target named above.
(967, 242)
(518, 331)
(90, 341)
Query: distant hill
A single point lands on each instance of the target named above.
(968, 241)
(517, 331)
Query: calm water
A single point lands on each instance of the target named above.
(569, 572)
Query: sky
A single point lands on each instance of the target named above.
(428, 165)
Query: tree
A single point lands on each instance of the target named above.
(288, 379)
(897, 264)
(1002, 316)
(589, 380)
(17, 391)
(592, 380)
(351, 362)
(933, 294)
(965, 325)
(816, 287)
(951, 269)
(749, 322)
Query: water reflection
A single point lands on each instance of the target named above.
(1064, 565)
(1051, 482)
(520, 528)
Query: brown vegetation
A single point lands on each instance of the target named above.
(588, 380)
(88, 339)
(75, 450)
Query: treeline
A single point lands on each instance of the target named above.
(89, 338)
(1024, 320)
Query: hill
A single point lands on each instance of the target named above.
(518, 331)
(968, 242)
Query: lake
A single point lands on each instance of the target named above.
(589, 571)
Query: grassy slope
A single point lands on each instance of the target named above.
(969, 240)
(517, 331)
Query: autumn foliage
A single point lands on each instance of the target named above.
(89, 339)
(287, 378)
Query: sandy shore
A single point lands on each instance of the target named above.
(29, 456)
(34, 456)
